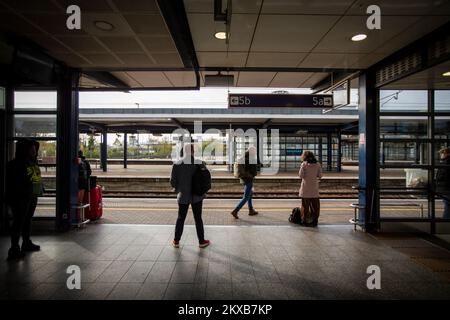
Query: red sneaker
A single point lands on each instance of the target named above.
(204, 243)
(176, 244)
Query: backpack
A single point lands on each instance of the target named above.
(201, 180)
(236, 170)
(295, 216)
(82, 170)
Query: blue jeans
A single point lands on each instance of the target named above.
(248, 193)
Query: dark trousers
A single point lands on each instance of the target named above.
(22, 212)
(310, 209)
(182, 213)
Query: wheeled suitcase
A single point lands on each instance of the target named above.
(95, 211)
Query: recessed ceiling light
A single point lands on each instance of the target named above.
(103, 25)
(221, 35)
(446, 74)
(359, 37)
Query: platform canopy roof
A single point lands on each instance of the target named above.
(171, 44)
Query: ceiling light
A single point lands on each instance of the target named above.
(359, 37)
(103, 25)
(446, 74)
(221, 35)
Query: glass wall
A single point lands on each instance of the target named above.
(37, 120)
(441, 135)
(290, 148)
(414, 130)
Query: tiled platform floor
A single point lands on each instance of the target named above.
(243, 262)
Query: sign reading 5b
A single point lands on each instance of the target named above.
(281, 100)
(239, 101)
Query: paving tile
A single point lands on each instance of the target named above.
(138, 272)
(132, 252)
(179, 291)
(272, 291)
(125, 291)
(152, 291)
(150, 253)
(115, 271)
(246, 291)
(184, 272)
(219, 291)
(161, 272)
(97, 291)
(219, 272)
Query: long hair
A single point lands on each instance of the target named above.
(309, 157)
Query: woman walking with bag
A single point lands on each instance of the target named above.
(310, 173)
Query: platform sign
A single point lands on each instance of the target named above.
(294, 152)
(280, 100)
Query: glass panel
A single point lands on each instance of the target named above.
(403, 127)
(442, 100)
(35, 125)
(46, 207)
(442, 128)
(403, 101)
(47, 162)
(442, 178)
(33, 100)
(403, 178)
(398, 204)
(403, 153)
(442, 206)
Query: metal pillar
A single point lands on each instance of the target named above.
(104, 150)
(368, 152)
(329, 152)
(230, 150)
(432, 161)
(125, 150)
(258, 146)
(67, 148)
(5, 127)
(417, 152)
(339, 152)
(320, 150)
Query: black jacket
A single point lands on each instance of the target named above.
(247, 171)
(19, 186)
(443, 176)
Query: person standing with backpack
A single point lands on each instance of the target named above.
(310, 173)
(84, 174)
(191, 180)
(246, 170)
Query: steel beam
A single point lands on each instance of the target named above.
(104, 150)
(368, 193)
(67, 148)
(125, 150)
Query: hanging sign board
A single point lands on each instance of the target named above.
(280, 100)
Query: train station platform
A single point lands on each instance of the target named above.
(164, 211)
(243, 262)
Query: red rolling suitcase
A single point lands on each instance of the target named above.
(95, 211)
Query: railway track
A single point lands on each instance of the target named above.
(215, 195)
